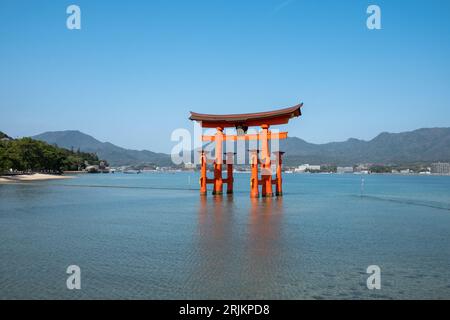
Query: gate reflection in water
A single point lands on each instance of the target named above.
(239, 256)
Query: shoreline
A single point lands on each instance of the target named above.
(32, 177)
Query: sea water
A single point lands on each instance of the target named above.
(151, 236)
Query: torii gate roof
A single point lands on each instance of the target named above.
(275, 117)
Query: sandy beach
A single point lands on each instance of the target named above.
(32, 177)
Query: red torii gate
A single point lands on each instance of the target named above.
(242, 122)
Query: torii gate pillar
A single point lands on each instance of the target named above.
(266, 164)
(218, 183)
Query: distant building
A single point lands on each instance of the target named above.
(363, 168)
(406, 171)
(189, 166)
(301, 168)
(344, 169)
(92, 169)
(440, 168)
(307, 167)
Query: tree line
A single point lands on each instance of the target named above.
(29, 155)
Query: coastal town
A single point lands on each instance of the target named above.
(439, 168)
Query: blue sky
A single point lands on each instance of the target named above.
(136, 68)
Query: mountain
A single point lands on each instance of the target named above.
(422, 145)
(116, 156)
(4, 136)
(418, 146)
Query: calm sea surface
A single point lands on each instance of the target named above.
(151, 236)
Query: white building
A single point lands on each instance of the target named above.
(344, 169)
(363, 168)
(307, 167)
(189, 166)
(440, 168)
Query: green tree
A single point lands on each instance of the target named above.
(27, 154)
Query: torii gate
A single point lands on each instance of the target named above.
(243, 121)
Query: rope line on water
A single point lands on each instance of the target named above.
(434, 205)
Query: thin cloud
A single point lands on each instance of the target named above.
(283, 5)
